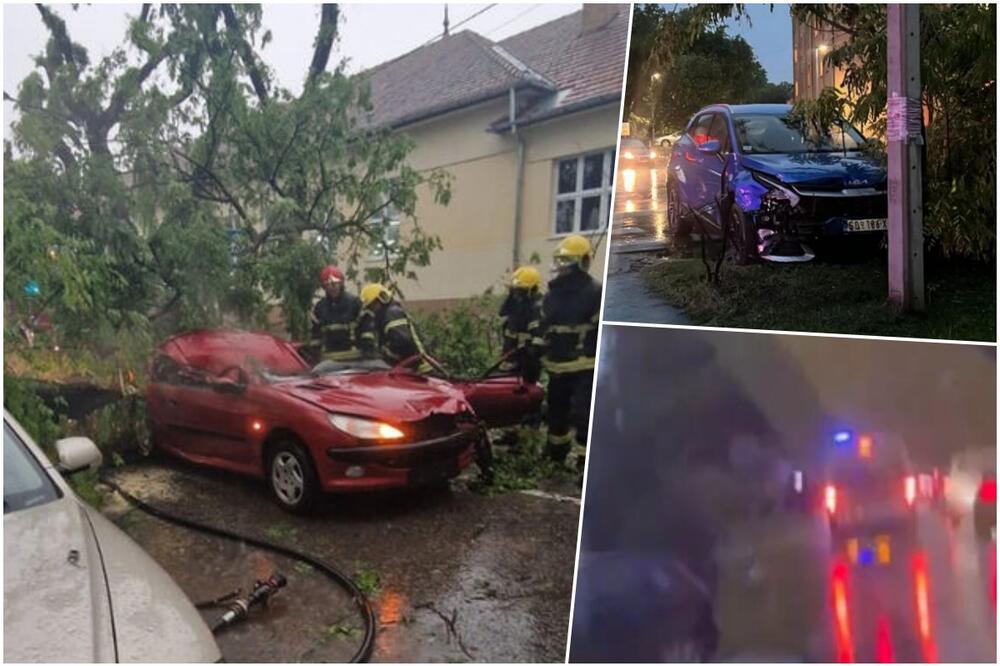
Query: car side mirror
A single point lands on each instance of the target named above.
(77, 454)
(713, 146)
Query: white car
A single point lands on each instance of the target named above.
(668, 140)
(75, 587)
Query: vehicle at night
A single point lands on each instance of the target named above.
(635, 153)
(76, 588)
(248, 403)
(869, 497)
(668, 140)
(792, 186)
(971, 490)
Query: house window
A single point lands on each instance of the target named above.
(583, 192)
(385, 232)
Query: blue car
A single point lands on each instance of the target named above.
(792, 186)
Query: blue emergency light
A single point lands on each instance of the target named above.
(866, 556)
(842, 437)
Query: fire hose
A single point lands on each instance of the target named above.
(238, 609)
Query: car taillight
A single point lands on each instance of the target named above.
(910, 490)
(830, 495)
(988, 491)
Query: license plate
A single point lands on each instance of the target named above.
(870, 551)
(437, 471)
(868, 224)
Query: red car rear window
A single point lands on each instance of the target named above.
(214, 351)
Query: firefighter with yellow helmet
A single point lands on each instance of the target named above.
(571, 311)
(385, 329)
(520, 318)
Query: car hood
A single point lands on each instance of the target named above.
(819, 169)
(46, 595)
(400, 397)
(58, 607)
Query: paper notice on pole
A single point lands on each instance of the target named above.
(904, 119)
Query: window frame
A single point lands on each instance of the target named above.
(578, 194)
(389, 220)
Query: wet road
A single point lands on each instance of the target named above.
(456, 576)
(640, 214)
(793, 600)
(638, 232)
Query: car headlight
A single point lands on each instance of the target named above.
(364, 428)
(777, 191)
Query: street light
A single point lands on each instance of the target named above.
(654, 78)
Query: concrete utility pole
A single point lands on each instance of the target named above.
(904, 125)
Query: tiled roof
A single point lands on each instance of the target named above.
(570, 66)
(585, 66)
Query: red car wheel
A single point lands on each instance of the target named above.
(291, 476)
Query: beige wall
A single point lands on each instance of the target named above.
(477, 227)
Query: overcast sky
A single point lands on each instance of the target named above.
(369, 33)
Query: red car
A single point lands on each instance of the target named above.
(248, 403)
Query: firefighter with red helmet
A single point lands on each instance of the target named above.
(335, 319)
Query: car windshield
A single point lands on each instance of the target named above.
(634, 144)
(25, 483)
(760, 133)
(360, 366)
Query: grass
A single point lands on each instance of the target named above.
(830, 298)
(367, 579)
(523, 466)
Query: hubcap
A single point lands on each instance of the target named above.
(287, 478)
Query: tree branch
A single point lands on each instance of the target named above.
(246, 53)
(324, 42)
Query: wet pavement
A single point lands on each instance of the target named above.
(457, 576)
(786, 597)
(639, 234)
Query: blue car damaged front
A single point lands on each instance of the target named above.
(792, 186)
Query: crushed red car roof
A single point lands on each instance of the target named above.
(216, 350)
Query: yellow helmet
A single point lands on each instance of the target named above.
(526, 277)
(372, 291)
(573, 249)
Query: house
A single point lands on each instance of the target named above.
(527, 129)
(810, 46)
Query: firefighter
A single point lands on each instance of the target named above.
(570, 315)
(334, 319)
(385, 330)
(520, 317)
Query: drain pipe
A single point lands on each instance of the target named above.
(519, 181)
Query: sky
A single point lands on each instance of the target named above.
(769, 33)
(370, 33)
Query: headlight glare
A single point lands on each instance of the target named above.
(364, 428)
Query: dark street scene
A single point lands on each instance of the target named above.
(775, 498)
(759, 148)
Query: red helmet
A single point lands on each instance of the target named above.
(331, 274)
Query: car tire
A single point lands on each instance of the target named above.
(741, 238)
(291, 477)
(678, 224)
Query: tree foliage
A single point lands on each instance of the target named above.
(958, 82)
(179, 183)
(696, 62)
